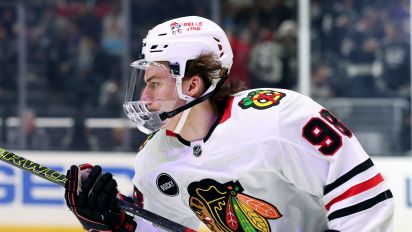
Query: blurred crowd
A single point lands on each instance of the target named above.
(74, 49)
(359, 48)
(73, 55)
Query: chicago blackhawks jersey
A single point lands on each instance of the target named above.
(275, 160)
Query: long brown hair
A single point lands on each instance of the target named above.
(208, 68)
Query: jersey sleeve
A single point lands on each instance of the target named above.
(141, 224)
(145, 226)
(322, 157)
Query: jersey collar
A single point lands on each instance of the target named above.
(222, 117)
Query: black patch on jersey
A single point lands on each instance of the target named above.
(167, 185)
(197, 150)
(261, 99)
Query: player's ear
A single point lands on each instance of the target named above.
(193, 86)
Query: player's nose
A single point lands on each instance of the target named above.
(147, 95)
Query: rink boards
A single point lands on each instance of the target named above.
(28, 203)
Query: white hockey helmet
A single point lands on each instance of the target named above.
(176, 42)
(182, 39)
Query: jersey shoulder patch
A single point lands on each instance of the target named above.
(261, 99)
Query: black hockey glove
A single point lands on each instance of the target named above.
(91, 197)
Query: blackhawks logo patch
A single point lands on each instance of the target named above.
(225, 208)
(261, 99)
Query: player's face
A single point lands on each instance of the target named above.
(151, 92)
(160, 87)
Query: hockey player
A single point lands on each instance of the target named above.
(228, 160)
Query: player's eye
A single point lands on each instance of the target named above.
(153, 84)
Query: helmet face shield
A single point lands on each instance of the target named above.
(151, 91)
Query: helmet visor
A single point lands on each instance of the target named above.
(151, 91)
(153, 75)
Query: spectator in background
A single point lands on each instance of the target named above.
(7, 20)
(80, 139)
(241, 51)
(395, 58)
(121, 140)
(287, 35)
(76, 61)
(36, 137)
(8, 61)
(279, 11)
(400, 12)
(8, 55)
(322, 86)
(104, 7)
(265, 64)
(111, 97)
(118, 138)
(361, 70)
(89, 24)
(113, 30)
(92, 62)
(61, 53)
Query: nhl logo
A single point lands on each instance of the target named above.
(197, 150)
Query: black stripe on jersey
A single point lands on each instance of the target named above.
(182, 140)
(347, 176)
(213, 127)
(361, 206)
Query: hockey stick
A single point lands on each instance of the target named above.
(60, 179)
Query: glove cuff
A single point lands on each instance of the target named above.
(127, 224)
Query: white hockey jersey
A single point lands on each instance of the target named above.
(275, 160)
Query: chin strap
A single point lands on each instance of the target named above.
(165, 115)
(182, 121)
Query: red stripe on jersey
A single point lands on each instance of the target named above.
(356, 189)
(228, 110)
(170, 133)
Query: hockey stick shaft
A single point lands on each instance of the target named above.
(60, 179)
